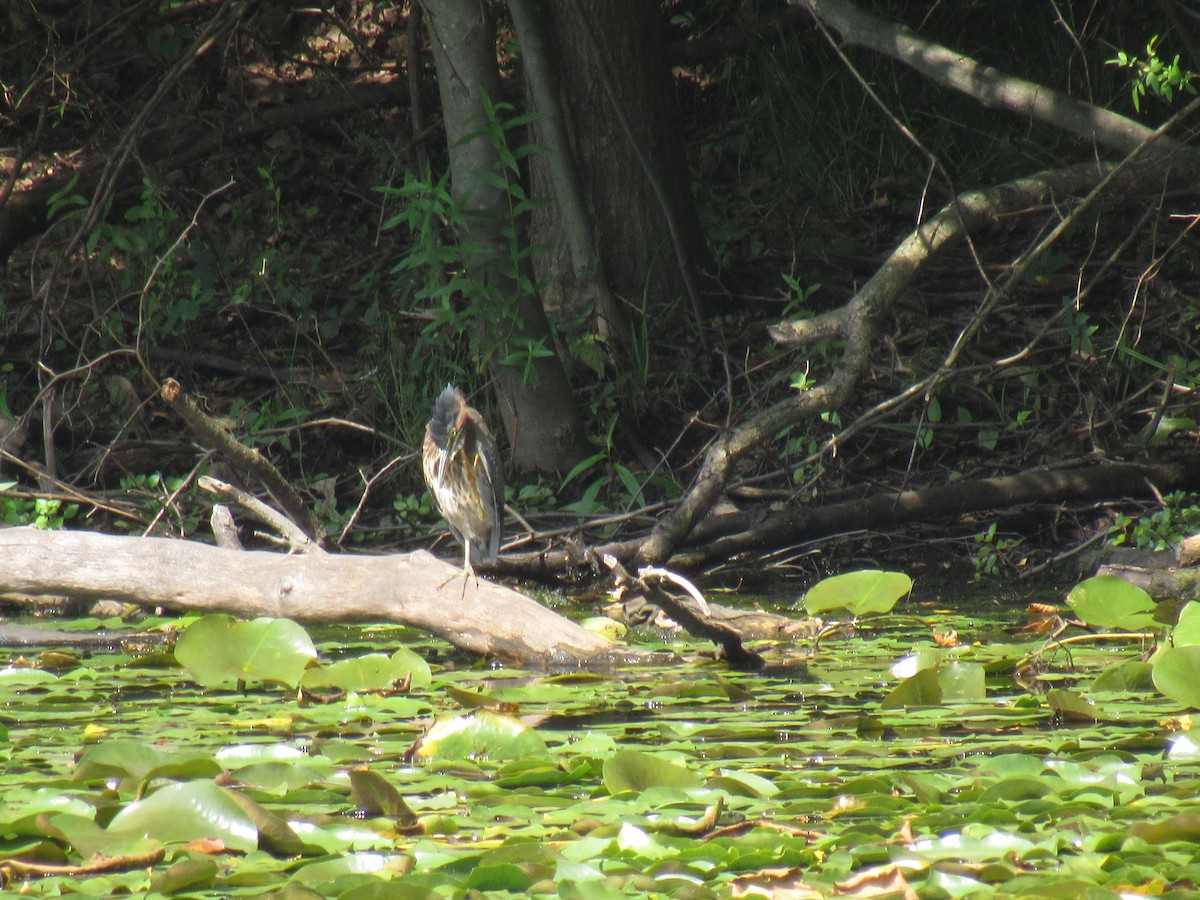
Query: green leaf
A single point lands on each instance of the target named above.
(1186, 632)
(371, 672)
(374, 795)
(192, 811)
(1177, 675)
(633, 770)
(938, 684)
(219, 650)
(1132, 676)
(141, 762)
(1109, 602)
(861, 592)
(1184, 827)
(482, 733)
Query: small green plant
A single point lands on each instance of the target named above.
(1178, 518)
(1080, 329)
(46, 513)
(1152, 74)
(993, 553)
(414, 512)
(798, 297)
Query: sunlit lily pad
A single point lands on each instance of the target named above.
(1177, 675)
(1109, 602)
(190, 811)
(141, 762)
(481, 734)
(219, 650)
(1186, 632)
(859, 593)
(946, 682)
(633, 770)
(370, 672)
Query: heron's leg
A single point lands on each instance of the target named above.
(468, 569)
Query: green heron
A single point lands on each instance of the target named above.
(462, 470)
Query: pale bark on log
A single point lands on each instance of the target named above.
(414, 589)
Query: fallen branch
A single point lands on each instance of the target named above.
(990, 86)
(412, 589)
(725, 536)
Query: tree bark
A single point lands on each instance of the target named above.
(613, 75)
(539, 411)
(413, 589)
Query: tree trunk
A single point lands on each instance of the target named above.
(627, 138)
(535, 399)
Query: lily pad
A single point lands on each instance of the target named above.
(633, 770)
(861, 592)
(483, 733)
(196, 810)
(1175, 675)
(219, 650)
(1109, 602)
(370, 672)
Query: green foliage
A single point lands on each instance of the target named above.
(482, 734)
(993, 553)
(1153, 74)
(46, 513)
(465, 290)
(553, 781)
(633, 770)
(610, 484)
(1163, 529)
(370, 672)
(1109, 602)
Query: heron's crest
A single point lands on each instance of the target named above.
(446, 411)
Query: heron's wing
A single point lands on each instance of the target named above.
(493, 491)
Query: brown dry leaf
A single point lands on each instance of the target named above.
(1042, 618)
(778, 884)
(947, 638)
(877, 882)
(210, 846)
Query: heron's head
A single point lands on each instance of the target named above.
(448, 420)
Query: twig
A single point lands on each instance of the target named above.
(268, 515)
(218, 438)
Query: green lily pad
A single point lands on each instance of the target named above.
(141, 762)
(861, 592)
(1175, 675)
(633, 770)
(371, 672)
(190, 811)
(219, 650)
(1109, 602)
(483, 733)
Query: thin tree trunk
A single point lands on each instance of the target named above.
(539, 411)
(627, 141)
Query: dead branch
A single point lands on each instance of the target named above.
(990, 86)
(412, 589)
(723, 536)
(218, 438)
(691, 610)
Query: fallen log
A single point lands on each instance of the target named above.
(414, 589)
